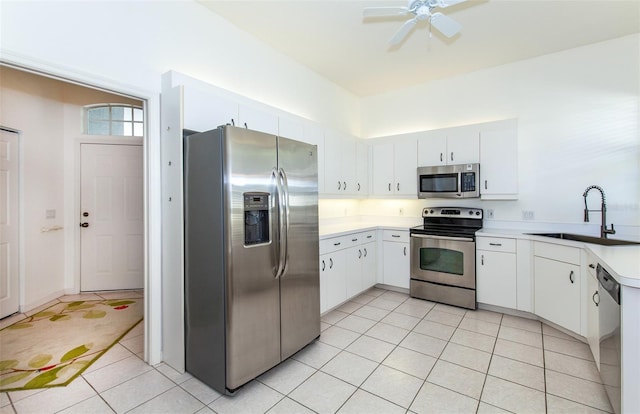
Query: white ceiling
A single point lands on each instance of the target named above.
(332, 38)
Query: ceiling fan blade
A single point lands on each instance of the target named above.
(446, 25)
(384, 11)
(403, 32)
(446, 3)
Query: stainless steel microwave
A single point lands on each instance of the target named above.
(449, 181)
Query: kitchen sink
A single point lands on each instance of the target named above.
(587, 239)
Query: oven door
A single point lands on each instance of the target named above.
(444, 260)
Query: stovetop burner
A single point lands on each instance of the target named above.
(449, 221)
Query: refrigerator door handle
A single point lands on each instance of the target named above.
(285, 236)
(275, 207)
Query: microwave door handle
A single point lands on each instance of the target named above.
(459, 192)
(428, 236)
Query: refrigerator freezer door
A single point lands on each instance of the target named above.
(252, 290)
(300, 282)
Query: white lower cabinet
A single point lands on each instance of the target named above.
(496, 271)
(333, 282)
(593, 321)
(557, 284)
(347, 267)
(396, 260)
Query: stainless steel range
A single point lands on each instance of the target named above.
(443, 256)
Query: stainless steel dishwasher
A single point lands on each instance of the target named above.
(609, 319)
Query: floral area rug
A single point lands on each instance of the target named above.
(54, 346)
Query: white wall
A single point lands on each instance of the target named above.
(577, 113)
(169, 35)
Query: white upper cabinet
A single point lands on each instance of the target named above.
(257, 119)
(204, 110)
(449, 146)
(394, 167)
(499, 160)
(340, 164)
(362, 169)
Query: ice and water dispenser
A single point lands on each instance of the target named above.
(256, 218)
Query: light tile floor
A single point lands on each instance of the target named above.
(382, 352)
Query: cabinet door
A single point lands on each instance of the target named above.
(405, 163)
(353, 268)
(496, 278)
(593, 322)
(499, 162)
(382, 160)
(336, 281)
(324, 279)
(396, 264)
(463, 146)
(348, 165)
(369, 266)
(332, 160)
(362, 165)
(205, 110)
(557, 292)
(432, 148)
(257, 120)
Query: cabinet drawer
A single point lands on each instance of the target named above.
(357, 239)
(557, 252)
(496, 244)
(333, 244)
(396, 235)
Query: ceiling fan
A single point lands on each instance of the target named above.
(422, 10)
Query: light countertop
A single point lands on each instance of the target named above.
(623, 262)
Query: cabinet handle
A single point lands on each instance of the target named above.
(495, 244)
(344, 187)
(245, 126)
(233, 122)
(389, 186)
(358, 186)
(395, 235)
(591, 265)
(440, 157)
(451, 155)
(369, 236)
(594, 298)
(405, 250)
(337, 244)
(354, 240)
(482, 260)
(359, 254)
(323, 265)
(571, 277)
(398, 187)
(485, 184)
(330, 263)
(365, 252)
(339, 185)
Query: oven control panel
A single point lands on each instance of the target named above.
(457, 212)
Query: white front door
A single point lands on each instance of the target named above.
(9, 224)
(111, 217)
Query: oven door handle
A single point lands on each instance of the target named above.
(429, 236)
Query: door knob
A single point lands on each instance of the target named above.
(84, 224)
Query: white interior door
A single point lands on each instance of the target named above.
(9, 224)
(111, 217)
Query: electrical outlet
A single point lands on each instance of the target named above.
(401, 211)
(527, 215)
(51, 214)
(490, 213)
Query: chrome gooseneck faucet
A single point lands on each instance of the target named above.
(603, 226)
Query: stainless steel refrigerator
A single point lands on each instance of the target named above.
(252, 291)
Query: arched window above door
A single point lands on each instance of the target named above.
(114, 119)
